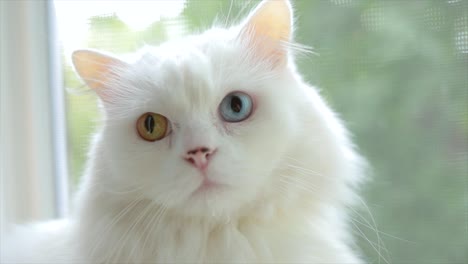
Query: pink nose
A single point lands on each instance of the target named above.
(199, 157)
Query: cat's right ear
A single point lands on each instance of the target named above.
(96, 69)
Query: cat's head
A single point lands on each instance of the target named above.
(200, 124)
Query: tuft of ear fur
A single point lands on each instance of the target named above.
(95, 68)
(268, 30)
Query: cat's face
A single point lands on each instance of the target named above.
(224, 108)
(227, 126)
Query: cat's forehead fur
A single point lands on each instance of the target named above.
(195, 72)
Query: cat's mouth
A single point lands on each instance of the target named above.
(208, 185)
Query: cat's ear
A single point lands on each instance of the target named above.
(95, 68)
(268, 30)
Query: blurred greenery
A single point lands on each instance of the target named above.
(397, 72)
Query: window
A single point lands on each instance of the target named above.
(33, 159)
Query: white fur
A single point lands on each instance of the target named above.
(289, 170)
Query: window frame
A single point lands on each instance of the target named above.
(33, 157)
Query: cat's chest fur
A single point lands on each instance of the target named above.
(145, 233)
(153, 235)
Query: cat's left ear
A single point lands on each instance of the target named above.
(96, 69)
(268, 30)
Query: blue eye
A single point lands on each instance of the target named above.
(236, 107)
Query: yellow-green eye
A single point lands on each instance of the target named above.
(152, 127)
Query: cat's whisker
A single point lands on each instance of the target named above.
(153, 210)
(301, 186)
(302, 167)
(226, 21)
(123, 240)
(372, 244)
(377, 249)
(299, 180)
(307, 172)
(295, 171)
(381, 232)
(306, 186)
(154, 223)
(101, 187)
(357, 233)
(374, 223)
(297, 184)
(121, 192)
(242, 11)
(379, 244)
(299, 49)
(380, 241)
(115, 220)
(134, 156)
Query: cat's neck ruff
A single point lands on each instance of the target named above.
(147, 232)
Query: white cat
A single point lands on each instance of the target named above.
(213, 149)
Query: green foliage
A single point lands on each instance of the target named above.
(396, 71)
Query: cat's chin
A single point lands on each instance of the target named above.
(208, 187)
(210, 199)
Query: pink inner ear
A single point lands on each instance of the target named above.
(267, 30)
(273, 19)
(97, 69)
(266, 49)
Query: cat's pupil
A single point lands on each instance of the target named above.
(149, 124)
(236, 104)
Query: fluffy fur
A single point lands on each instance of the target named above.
(286, 174)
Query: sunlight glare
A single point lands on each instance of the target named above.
(73, 17)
